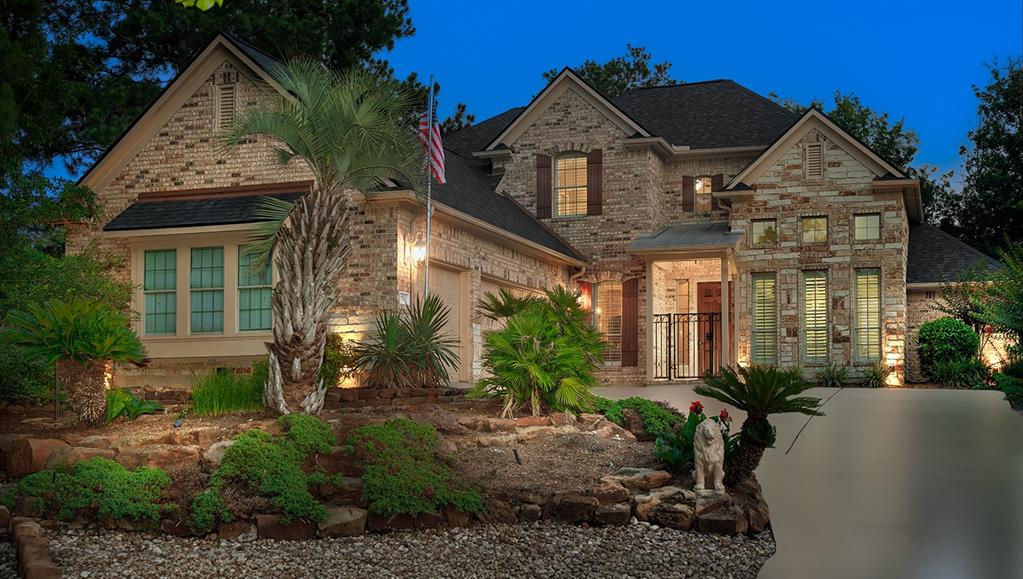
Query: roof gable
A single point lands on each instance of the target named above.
(567, 80)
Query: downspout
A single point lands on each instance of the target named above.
(572, 279)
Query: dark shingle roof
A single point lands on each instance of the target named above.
(936, 256)
(715, 113)
(477, 137)
(191, 212)
(470, 190)
(691, 235)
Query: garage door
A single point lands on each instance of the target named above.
(446, 284)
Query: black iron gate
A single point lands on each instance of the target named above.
(686, 345)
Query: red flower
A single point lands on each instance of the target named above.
(723, 415)
(696, 407)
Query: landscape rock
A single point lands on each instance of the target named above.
(563, 419)
(383, 523)
(674, 516)
(641, 479)
(498, 511)
(343, 522)
(613, 514)
(28, 507)
(5, 517)
(164, 456)
(457, 518)
(611, 431)
(730, 520)
(74, 454)
(429, 520)
(610, 492)
(576, 508)
(273, 527)
(29, 455)
(531, 433)
(487, 440)
(269, 425)
(634, 424)
(529, 513)
(94, 441)
(240, 531)
(214, 455)
(524, 421)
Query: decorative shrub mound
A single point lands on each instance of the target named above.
(659, 419)
(268, 466)
(402, 472)
(216, 393)
(675, 449)
(962, 373)
(946, 340)
(96, 485)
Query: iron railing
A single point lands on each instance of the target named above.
(686, 345)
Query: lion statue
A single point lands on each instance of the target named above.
(709, 455)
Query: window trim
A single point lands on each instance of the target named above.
(555, 196)
(802, 230)
(804, 319)
(880, 228)
(752, 233)
(773, 276)
(856, 316)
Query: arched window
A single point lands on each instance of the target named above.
(570, 185)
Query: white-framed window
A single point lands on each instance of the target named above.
(607, 318)
(570, 187)
(815, 229)
(206, 281)
(764, 232)
(815, 317)
(159, 288)
(867, 227)
(868, 314)
(255, 285)
(702, 187)
(765, 318)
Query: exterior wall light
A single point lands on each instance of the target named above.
(419, 249)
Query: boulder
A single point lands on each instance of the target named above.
(590, 421)
(176, 528)
(94, 441)
(29, 455)
(634, 424)
(533, 433)
(385, 523)
(274, 527)
(74, 454)
(214, 455)
(612, 431)
(163, 456)
(730, 520)
(529, 513)
(524, 421)
(203, 436)
(616, 514)
(345, 491)
(644, 504)
(269, 425)
(429, 520)
(487, 440)
(240, 531)
(5, 517)
(576, 508)
(34, 561)
(498, 511)
(563, 419)
(457, 518)
(26, 529)
(610, 492)
(343, 522)
(6, 441)
(640, 479)
(675, 516)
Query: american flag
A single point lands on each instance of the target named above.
(436, 147)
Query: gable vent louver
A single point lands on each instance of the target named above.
(814, 162)
(225, 105)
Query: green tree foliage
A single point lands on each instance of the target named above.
(964, 298)
(989, 210)
(200, 4)
(458, 121)
(622, 73)
(1004, 309)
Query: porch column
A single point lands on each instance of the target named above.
(726, 341)
(649, 322)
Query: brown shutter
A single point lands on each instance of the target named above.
(688, 194)
(543, 186)
(717, 182)
(630, 322)
(594, 182)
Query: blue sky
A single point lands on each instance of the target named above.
(916, 60)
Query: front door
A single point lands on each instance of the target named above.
(708, 301)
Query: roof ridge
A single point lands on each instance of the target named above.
(679, 84)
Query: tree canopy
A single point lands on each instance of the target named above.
(621, 73)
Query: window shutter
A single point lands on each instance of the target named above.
(630, 322)
(688, 194)
(594, 182)
(717, 182)
(543, 186)
(814, 161)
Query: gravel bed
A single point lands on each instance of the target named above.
(524, 550)
(8, 563)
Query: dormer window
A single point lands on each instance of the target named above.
(226, 105)
(570, 185)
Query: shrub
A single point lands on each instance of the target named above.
(1012, 387)
(876, 376)
(409, 348)
(675, 449)
(1002, 310)
(268, 466)
(338, 361)
(402, 472)
(831, 376)
(659, 419)
(122, 402)
(22, 378)
(545, 356)
(944, 340)
(98, 485)
(962, 373)
(216, 393)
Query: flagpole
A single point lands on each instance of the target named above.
(429, 186)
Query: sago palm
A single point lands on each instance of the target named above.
(353, 132)
(760, 391)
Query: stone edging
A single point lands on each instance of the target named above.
(30, 546)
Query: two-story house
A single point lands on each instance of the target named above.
(703, 224)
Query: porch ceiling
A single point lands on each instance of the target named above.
(684, 237)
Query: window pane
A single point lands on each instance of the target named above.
(815, 229)
(815, 316)
(254, 289)
(570, 186)
(206, 278)
(868, 314)
(608, 317)
(159, 281)
(765, 321)
(765, 232)
(867, 227)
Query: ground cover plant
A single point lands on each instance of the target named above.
(98, 486)
(675, 449)
(659, 419)
(217, 393)
(261, 464)
(403, 474)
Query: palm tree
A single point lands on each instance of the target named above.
(760, 391)
(354, 132)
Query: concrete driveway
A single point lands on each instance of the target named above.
(890, 483)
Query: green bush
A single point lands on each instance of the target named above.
(675, 449)
(962, 373)
(22, 378)
(944, 340)
(876, 376)
(545, 355)
(99, 485)
(831, 376)
(216, 393)
(1012, 387)
(402, 472)
(338, 361)
(123, 402)
(267, 466)
(659, 419)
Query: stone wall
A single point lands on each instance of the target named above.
(784, 195)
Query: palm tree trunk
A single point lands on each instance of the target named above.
(746, 458)
(86, 387)
(311, 251)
